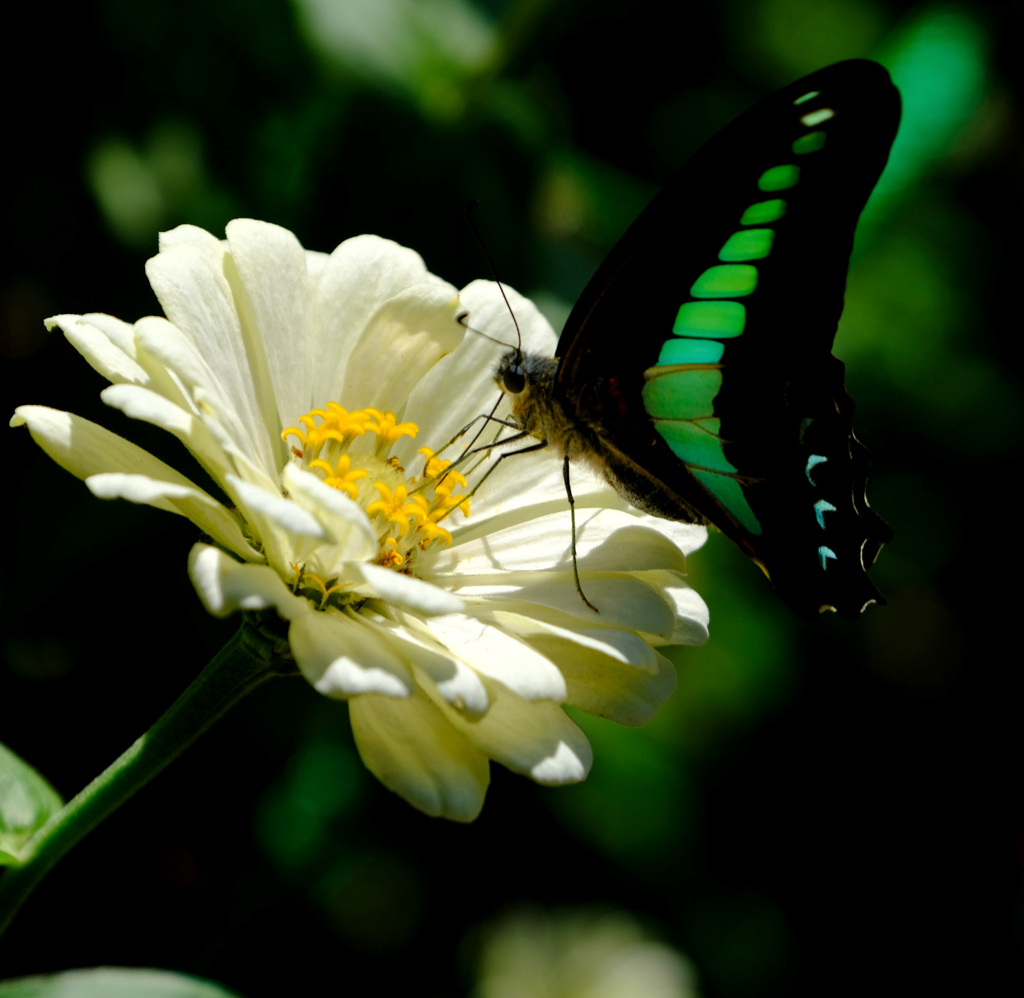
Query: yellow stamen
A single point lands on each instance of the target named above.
(432, 532)
(407, 513)
(315, 582)
(342, 476)
(432, 465)
(390, 556)
(387, 428)
(397, 507)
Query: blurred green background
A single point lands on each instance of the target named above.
(822, 808)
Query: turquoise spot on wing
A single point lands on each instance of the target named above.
(689, 351)
(763, 212)
(779, 178)
(824, 553)
(670, 393)
(720, 319)
(748, 244)
(812, 462)
(692, 444)
(821, 507)
(813, 118)
(726, 280)
(729, 493)
(807, 97)
(811, 142)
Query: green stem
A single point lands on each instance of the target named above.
(245, 662)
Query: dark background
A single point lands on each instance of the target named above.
(822, 808)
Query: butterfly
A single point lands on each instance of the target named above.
(696, 369)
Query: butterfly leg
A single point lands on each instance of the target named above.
(470, 450)
(484, 419)
(568, 491)
(501, 457)
(572, 515)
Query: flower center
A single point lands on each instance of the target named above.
(351, 451)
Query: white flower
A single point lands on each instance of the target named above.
(452, 627)
(595, 953)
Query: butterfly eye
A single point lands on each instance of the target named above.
(514, 380)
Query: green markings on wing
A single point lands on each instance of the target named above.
(811, 142)
(687, 351)
(699, 438)
(680, 399)
(683, 392)
(763, 212)
(747, 244)
(681, 388)
(779, 178)
(727, 280)
(729, 492)
(713, 319)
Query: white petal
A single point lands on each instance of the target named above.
(489, 313)
(142, 403)
(622, 601)
(458, 684)
(286, 515)
(342, 656)
(198, 239)
(605, 687)
(288, 534)
(405, 338)
(272, 296)
(345, 524)
(688, 537)
(235, 461)
(173, 360)
(456, 389)
(199, 304)
(408, 592)
(432, 664)
(85, 448)
(316, 262)
(226, 586)
(607, 540)
(114, 467)
(498, 655)
(623, 646)
(106, 343)
(621, 541)
(195, 433)
(691, 615)
(188, 500)
(531, 737)
(413, 750)
(358, 276)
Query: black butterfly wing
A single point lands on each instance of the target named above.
(700, 353)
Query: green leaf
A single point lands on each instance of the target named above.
(26, 802)
(112, 982)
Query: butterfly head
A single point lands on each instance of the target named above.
(529, 381)
(511, 375)
(524, 376)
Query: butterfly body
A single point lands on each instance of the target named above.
(696, 372)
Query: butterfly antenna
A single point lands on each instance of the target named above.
(461, 320)
(468, 212)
